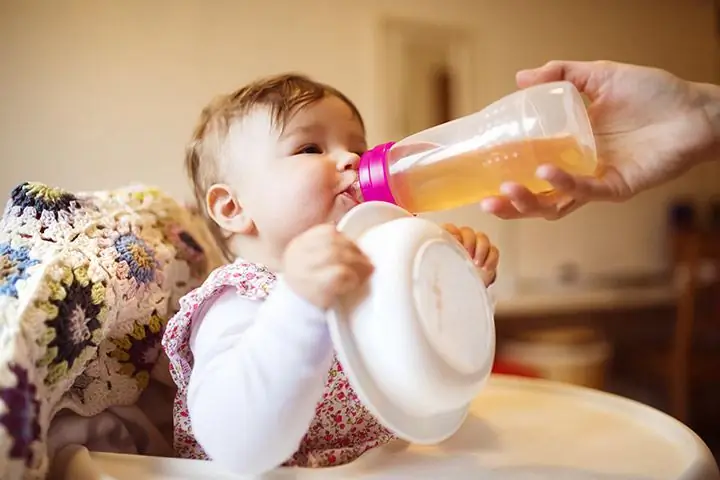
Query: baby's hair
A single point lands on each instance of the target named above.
(283, 95)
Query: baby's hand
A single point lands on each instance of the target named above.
(322, 264)
(485, 255)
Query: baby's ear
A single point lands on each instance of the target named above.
(224, 208)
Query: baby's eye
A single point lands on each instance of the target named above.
(310, 150)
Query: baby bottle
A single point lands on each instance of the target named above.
(465, 160)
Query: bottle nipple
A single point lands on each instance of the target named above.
(355, 192)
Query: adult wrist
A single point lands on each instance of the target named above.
(709, 97)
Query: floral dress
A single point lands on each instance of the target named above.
(342, 430)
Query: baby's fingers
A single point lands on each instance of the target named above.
(465, 236)
(492, 260)
(453, 230)
(482, 248)
(356, 260)
(341, 279)
(487, 257)
(469, 241)
(360, 264)
(488, 271)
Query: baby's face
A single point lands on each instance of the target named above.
(291, 180)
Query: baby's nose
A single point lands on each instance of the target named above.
(347, 161)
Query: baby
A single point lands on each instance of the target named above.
(273, 166)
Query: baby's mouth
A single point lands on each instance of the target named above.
(354, 192)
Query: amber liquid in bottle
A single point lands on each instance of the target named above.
(444, 177)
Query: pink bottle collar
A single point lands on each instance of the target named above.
(373, 175)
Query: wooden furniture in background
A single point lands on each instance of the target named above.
(693, 353)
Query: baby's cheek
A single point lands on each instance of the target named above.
(308, 194)
(313, 187)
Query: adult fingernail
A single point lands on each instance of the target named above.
(543, 171)
(506, 189)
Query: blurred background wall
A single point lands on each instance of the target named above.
(98, 93)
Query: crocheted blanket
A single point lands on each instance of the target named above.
(87, 282)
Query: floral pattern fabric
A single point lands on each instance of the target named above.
(87, 282)
(342, 430)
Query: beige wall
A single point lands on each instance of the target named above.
(98, 93)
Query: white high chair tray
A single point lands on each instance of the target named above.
(518, 429)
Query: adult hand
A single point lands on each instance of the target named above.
(650, 126)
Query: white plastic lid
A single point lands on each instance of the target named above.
(418, 342)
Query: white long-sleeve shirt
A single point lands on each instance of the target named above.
(260, 368)
(259, 371)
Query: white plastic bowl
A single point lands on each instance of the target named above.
(418, 342)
